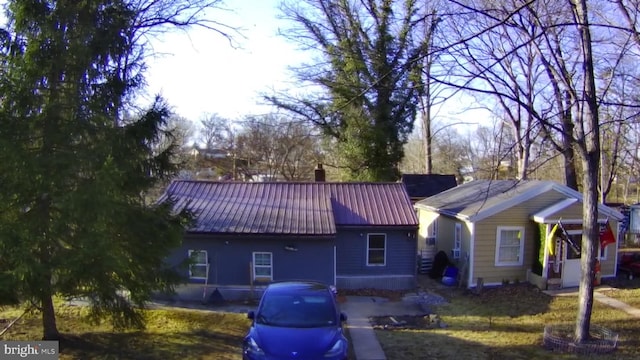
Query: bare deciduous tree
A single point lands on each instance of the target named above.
(217, 133)
(563, 37)
(279, 147)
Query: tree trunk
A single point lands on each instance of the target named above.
(522, 147)
(523, 164)
(568, 152)
(563, 99)
(591, 163)
(570, 173)
(589, 248)
(427, 97)
(49, 327)
(427, 141)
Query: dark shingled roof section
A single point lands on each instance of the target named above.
(472, 197)
(291, 208)
(425, 185)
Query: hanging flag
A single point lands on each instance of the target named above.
(606, 235)
(551, 241)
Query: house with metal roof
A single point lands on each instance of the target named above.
(505, 231)
(246, 235)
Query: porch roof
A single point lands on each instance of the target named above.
(550, 215)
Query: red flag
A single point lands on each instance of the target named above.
(606, 235)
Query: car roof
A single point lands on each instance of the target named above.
(289, 286)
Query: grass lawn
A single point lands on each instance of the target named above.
(504, 323)
(170, 334)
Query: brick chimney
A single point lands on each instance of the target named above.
(319, 173)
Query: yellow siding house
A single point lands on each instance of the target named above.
(499, 232)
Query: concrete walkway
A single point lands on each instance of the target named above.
(599, 297)
(617, 304)
(359, 309)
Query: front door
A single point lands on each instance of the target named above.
(571, 267)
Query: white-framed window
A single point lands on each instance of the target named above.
(509, 246)
(199, 266)
(457, 241)
(432, 233)
(376, 249)
(263, 266)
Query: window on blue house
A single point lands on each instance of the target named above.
(376, 249)
(263, 266)
(199, 267)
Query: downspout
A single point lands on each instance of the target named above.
(335, 268)
(472, 247)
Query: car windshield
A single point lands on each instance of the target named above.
(297, 310)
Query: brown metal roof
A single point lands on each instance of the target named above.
(291, 208)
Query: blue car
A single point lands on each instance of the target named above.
(296, 320)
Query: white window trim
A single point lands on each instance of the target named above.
(205, 264)
(433, 228)
(432, 233)
(384, 261)
(520, 252)
(270, 266)
(457, 241)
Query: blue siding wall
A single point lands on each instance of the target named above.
(399, 270)
(229, 258)
(401, 251)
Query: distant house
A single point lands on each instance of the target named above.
(497, 231)
(420, 186)
(206, 153)
(246, 235)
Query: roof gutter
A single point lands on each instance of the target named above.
(262, 236)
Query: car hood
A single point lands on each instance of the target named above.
(292, 343)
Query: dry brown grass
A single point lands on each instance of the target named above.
(504, 322)
(170, 334)
(507, 323)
